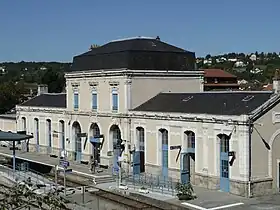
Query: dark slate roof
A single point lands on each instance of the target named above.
(8, 116)
(9, 136)
(135, 54)
(215, 103)
(47, 100)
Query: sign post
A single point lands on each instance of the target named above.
(65, 164)
(14, 156)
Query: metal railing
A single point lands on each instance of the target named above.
(152, 182)
(25, 172)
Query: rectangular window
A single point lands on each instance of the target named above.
(94, 100)
(76, 101)
(115, 100)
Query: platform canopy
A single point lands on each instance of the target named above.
(10, 136)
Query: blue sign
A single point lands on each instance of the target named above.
(64, 163)
(94, 140)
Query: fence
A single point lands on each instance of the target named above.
(26, 175)
(152, 182)
(57, 152)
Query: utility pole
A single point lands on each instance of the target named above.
(83, 193)
(14, 156)
(120, 172)
(64, 181)
(93, 158)
(55, 176)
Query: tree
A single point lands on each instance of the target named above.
(54, 79)
(22, 196)
(11, 93)
(208, 56)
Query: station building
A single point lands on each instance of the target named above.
(150, 94)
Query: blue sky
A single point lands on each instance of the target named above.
(56, 30)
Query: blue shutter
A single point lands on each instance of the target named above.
(76, 101)
(115, 101)
(94, 100)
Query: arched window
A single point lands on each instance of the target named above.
(49, 133)
(23, 125)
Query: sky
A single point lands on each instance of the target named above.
(56, 30)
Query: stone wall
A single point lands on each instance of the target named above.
(205, 181)
(262, 187)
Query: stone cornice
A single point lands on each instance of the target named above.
(40, 109)
(131, 73)
(134, 115)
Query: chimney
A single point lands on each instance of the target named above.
(42, 89)
(276, 81)
(158, 38)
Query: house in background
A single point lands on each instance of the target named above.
(217, 79)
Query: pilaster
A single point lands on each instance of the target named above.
(243, 155)
(127, 95)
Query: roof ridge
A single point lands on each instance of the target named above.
(131, 38)
(218, 92)
(52, 94)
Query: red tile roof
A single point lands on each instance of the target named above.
(221, 84)
(217, 73)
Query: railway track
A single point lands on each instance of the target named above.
(114, 197)
(117, 197)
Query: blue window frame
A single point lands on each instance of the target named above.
(224, 168)
(76, 101)
(115, 100)
(94, 100)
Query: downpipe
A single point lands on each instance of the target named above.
(250, 159)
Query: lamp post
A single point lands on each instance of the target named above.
(14, 156)
(59, 160)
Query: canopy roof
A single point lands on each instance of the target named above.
(10, 136)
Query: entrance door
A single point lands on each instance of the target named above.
(142, 161)
(117, 153)
(78, 148)
(224, 172)
(165, 160)
(96, 144)
(224, 162)
(136, 162)
(185, 173)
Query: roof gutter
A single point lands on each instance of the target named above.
(261, 109)
(132, 72)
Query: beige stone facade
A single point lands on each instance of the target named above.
(7, 122)
(205, 169)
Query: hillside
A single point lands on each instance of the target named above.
(253, 66)
(18, 80)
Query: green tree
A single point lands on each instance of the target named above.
(208, 56)
(11, 93)
(54, 79)
(20, 196)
